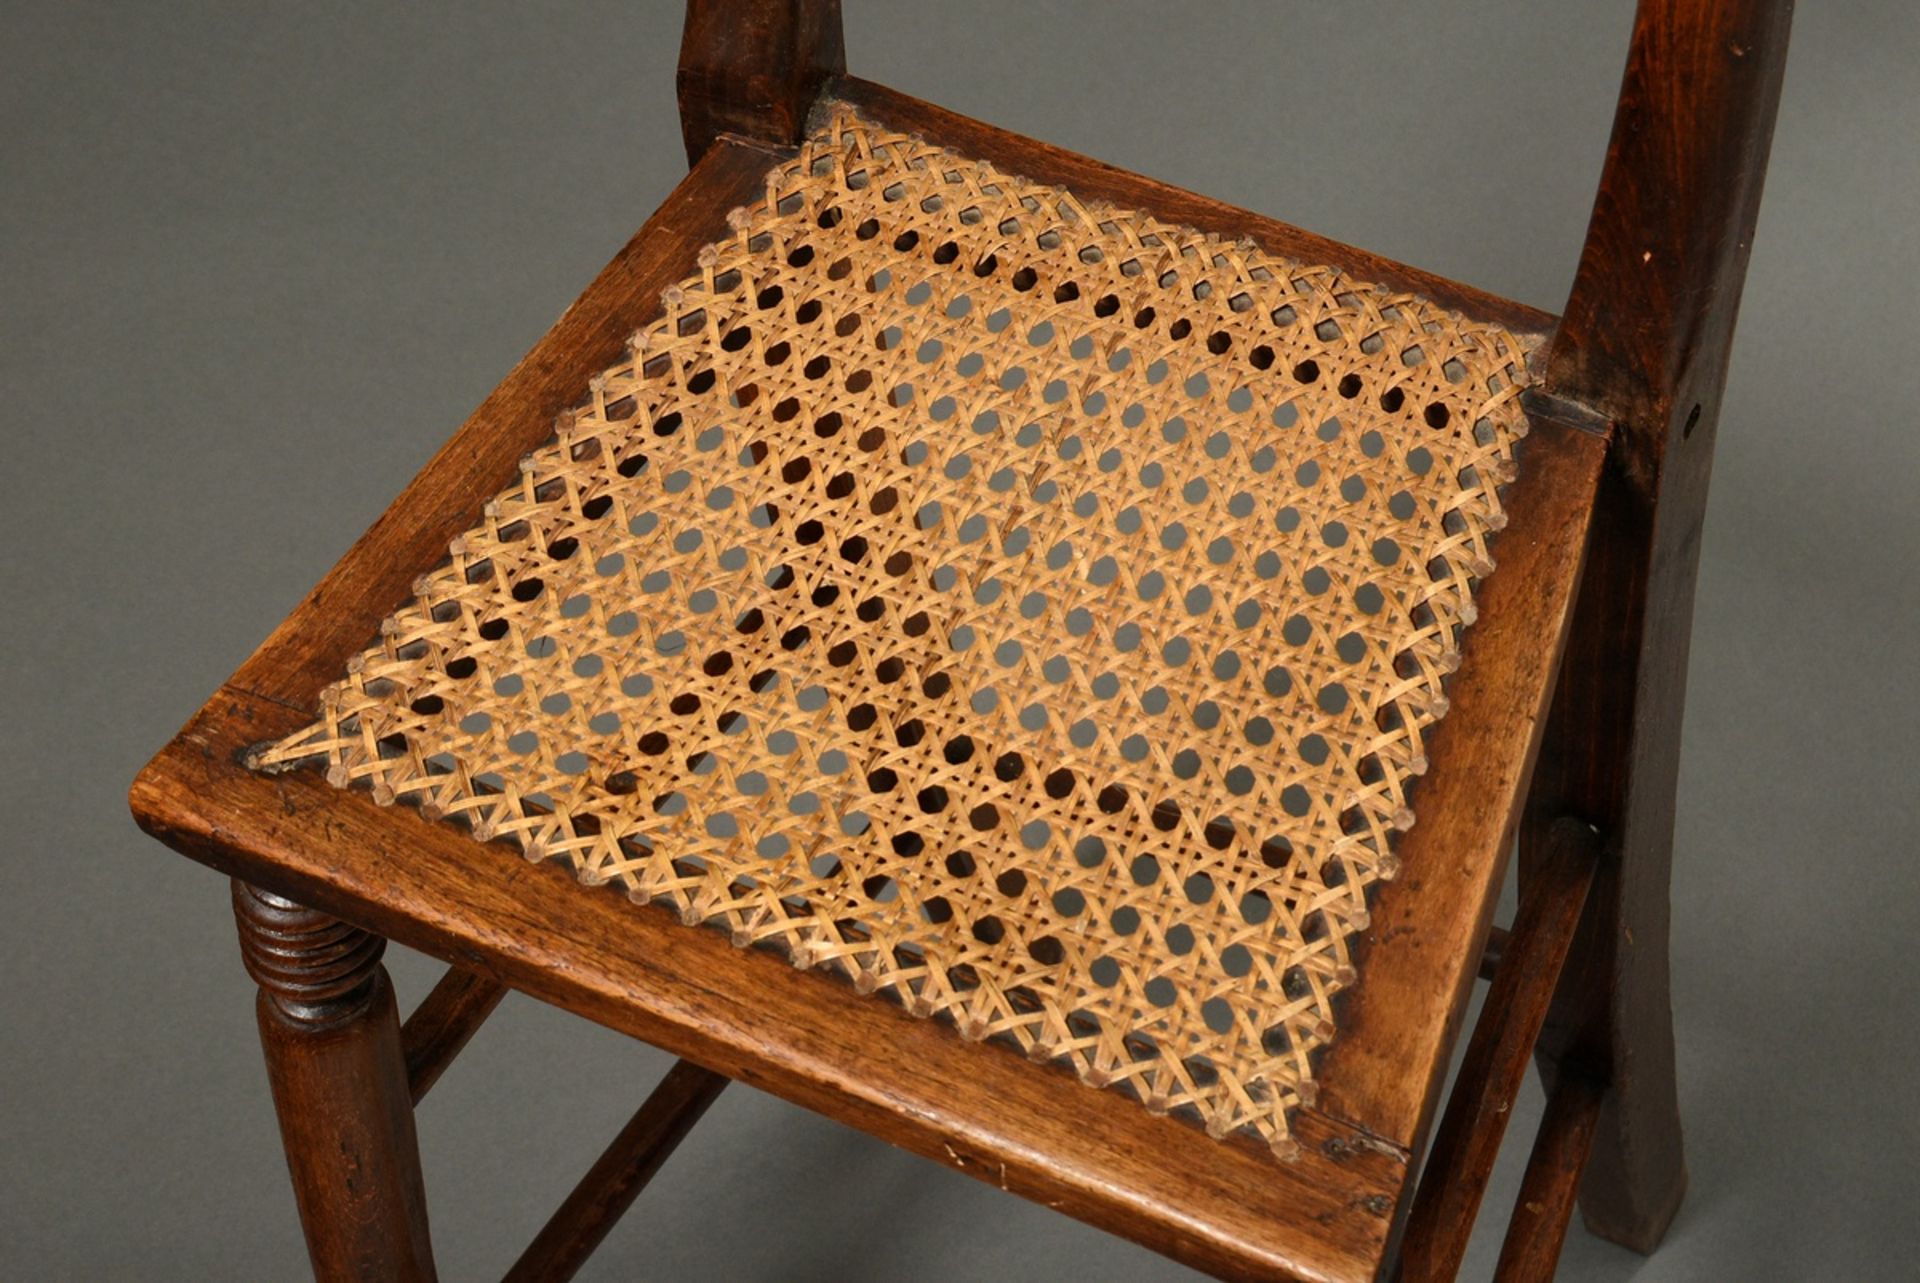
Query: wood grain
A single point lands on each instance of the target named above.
(1495, 1066)
(1418, 963)
(443, 1023)
(331, 1038)
(1225, 1206)
(1551, 1186)
(1228, 1207)
(1650, 319)
(1383, 1072)
(1644, 345)
(753, 67)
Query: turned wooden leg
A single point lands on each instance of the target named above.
(331, 1035)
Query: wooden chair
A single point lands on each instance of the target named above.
(978, 602)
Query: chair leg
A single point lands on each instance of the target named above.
(1611, 757)
(1636, 1175)
(331, 1034)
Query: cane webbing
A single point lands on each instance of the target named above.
(1025, 608)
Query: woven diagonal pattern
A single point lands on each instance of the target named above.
(1027, 609)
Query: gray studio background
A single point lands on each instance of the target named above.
(258, 260)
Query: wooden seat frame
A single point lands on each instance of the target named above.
(1564, 733)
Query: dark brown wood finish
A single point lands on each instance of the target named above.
(1383, 1071)
(1227, 1207)
(1644, 346)
(1386, 1069)
(1327, 1214)
(1489, 1082)
(443, 1022)
(751, 1016)
(1543, 548)
(331, 1036)
(1651, 315)
(1551, 1186)
(1638, 362)
(618, 1175)
(753, 68)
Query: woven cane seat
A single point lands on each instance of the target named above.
(1031, 612)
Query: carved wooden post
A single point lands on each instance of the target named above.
(1644, 345)
(753, 67)
(331, 1035)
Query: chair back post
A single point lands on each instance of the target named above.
(754, 67)
(1643, 347)
(1646, 329)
